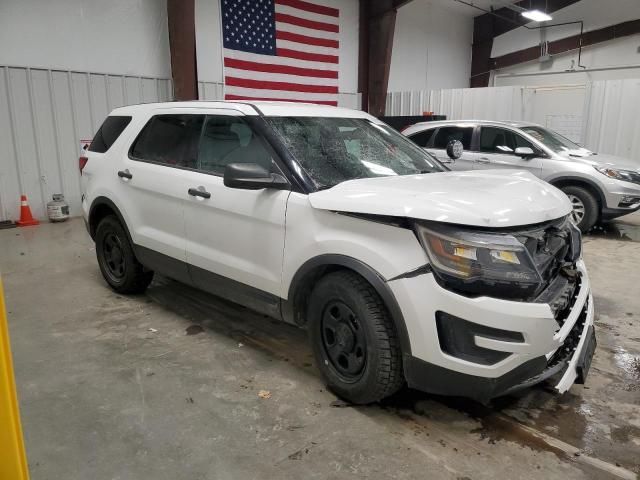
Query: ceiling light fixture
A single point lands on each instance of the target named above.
(536, 15)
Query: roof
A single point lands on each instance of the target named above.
(275, 109)
(495, 123)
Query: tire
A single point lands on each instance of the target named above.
(116, 259)
(373, 368)
(591, 211)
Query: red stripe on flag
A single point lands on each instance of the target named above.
(295, 37)
(333, 103)
(268, 85)
(310, 7)
(312, 57)
(303, 22)
(285, 69)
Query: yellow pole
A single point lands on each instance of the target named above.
(13, 461)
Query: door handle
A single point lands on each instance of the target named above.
(196, 192)
(125, 174)
(483, 160)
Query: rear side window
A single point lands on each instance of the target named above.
(446, 134)
(422, 138)
(108, 133)
(170, 139)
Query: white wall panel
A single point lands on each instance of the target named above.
(43, 116)
(431, 47)
(613, 125)
(125, 36)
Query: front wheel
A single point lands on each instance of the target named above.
(585, 207)
(354, 339)
(118, 264)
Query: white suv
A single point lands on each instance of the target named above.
(459, 283)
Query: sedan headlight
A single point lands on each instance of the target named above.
(472, 261)
(625, 175)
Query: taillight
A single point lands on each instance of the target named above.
(82, 161)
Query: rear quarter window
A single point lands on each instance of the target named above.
(108, 133)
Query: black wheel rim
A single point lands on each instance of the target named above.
(344, 341)
(113, 255)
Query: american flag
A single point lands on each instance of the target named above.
(280, 50)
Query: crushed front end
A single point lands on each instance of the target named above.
(499, 310)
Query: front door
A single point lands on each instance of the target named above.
(235, 238)
(442, 138)
(497, 150)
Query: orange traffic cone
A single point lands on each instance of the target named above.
(26, 218)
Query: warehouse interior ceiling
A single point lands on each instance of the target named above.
(469, 11)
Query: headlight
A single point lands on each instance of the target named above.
(472, 261)
(626, 175)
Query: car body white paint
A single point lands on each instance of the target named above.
(261, 238)
(466, 198)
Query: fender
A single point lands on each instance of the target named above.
(574, 179)
(369, 274)
(104, 201)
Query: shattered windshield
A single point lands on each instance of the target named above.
(333, 150)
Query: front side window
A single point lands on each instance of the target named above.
(229, 139)
(447, 134)
(170, 140)
(333, 150)
(500, 140)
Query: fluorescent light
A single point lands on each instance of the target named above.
(536, 16)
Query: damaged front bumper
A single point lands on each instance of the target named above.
(535, 345)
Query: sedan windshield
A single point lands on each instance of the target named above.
(551, 139)
(333, 150)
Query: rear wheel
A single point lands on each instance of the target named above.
(585, 207)
(353, 338)
(116, 259)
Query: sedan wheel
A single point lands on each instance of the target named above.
(578, 209)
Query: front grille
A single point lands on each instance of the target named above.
(568, 348)
(551, 246)
(561, 294)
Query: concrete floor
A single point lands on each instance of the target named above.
(165, 385)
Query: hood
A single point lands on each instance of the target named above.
(491, 198)
(601, 159)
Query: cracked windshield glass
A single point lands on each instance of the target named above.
(333, 150)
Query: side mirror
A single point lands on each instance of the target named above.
(251, 176)
(455, 149)
(525, 152)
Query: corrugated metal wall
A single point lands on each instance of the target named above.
(460, 103)
(613, 119)
(43, 116)
(606, 112)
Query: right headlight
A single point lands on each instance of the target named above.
(624, 175)
(474, 261)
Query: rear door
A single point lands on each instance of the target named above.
(444, 135)
(497, 147)
(234, 234)
(154, 184)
